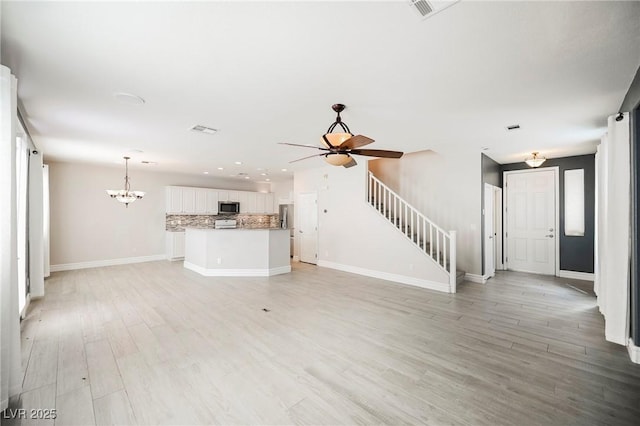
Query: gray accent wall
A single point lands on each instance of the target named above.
(576, 253)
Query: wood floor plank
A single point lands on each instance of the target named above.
(75, 408)
(114, 409)
(103, 370)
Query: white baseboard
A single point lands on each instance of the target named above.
(108, 262)
(634, 352)
(576, 275)
(475, 278)
(237, 272)
(403, 279)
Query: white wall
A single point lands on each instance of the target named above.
(445, 188)
(88, 226)
(354, 235)
(282, 190)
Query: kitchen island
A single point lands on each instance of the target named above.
(258, 252)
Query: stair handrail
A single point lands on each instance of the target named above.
(418, 213)
(447, 236)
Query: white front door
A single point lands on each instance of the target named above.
(307, 211)
(531, 221)
(489, 231)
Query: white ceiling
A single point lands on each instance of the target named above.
(268, 72)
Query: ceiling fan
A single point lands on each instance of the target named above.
(339, 147)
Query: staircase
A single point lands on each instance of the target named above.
(436, 243)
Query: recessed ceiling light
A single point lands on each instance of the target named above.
(284, 170)
(267, 179)
(247, 177)
(128, 98)
(263, 174)
(203, 129)
(206, 173)
(220, 168)
(238, 163)
(513, 127)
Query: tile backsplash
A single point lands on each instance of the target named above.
(177, 222)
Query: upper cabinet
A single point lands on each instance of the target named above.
(173, 199)
(187, 200)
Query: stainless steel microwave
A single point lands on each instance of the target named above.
(228, 207)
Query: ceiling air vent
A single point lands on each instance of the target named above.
(513, 127)
(427, 9)
(423, 7)
(204, 129)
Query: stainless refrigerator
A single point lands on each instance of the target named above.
(286, 222)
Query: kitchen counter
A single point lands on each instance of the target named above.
(237, 252)
(211, 228)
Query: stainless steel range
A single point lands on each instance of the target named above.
(225, 224)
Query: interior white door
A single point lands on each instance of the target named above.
(307, 211)
(531, 221)
(489, 231)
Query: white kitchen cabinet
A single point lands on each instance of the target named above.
(175, 245)
(201, 201)
(243, 199)
(212, 201)
(188, 200)
(204, 201)
(250, 202)
(173, 200)
(271, 205)
(261, 202)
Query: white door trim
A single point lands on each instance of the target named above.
(317, 226)
(489, 217)
(556, 174)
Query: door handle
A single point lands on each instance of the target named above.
(300, 232)
(490, 237)
(550, 235)
(550, 229)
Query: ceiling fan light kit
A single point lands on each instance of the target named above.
(535, 161)
(337, 159)
(338, 147)
(125, 195)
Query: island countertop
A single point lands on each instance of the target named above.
(261, 252)
(211, 228)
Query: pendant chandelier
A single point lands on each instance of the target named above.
(125, 195)
(535, 161)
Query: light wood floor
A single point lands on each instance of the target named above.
(154, 344)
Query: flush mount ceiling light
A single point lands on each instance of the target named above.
(535, 161)
(125, 195)
(338, 147)
(128, 98)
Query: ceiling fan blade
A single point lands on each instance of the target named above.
(304, 158)
(350, 163)
(377, 153)
(355, 142)
(304, 146)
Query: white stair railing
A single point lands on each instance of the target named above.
(433, 241)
